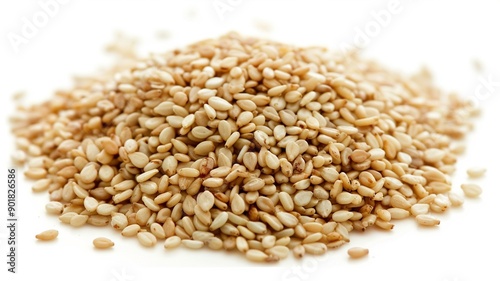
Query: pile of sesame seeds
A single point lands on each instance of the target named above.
(246, 145)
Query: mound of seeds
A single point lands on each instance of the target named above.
(245, 144)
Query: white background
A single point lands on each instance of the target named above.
(447, 37)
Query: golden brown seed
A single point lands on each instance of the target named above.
(246, 144)
(103, 243)
(47, 235)
(357, 252)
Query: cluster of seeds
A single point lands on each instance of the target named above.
(245, 144)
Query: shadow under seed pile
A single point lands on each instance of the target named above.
(245, 144)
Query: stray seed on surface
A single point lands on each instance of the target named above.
(427, 220)
(476, 172)
(103, 243)
(47, 235)
(471, 190)
(357, 252)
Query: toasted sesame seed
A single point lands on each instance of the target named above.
(237, 205)
(357, 252)
(103, 243)
(119, 221)
(192, 244)
(455, 199)
(172, 242)
(47, 235)
(471, 190)
(419, 209)
(398, 213)
(427, 220)
(188, 172)
(78, 220)
(131, 230)
(54, 207)
(146, 239)
(41, 185)
(256, 255)
(242, 143)
(88, 174)
(316, 248)
(138, 159)
(476, 172)
(219, 104)
(206, 200)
